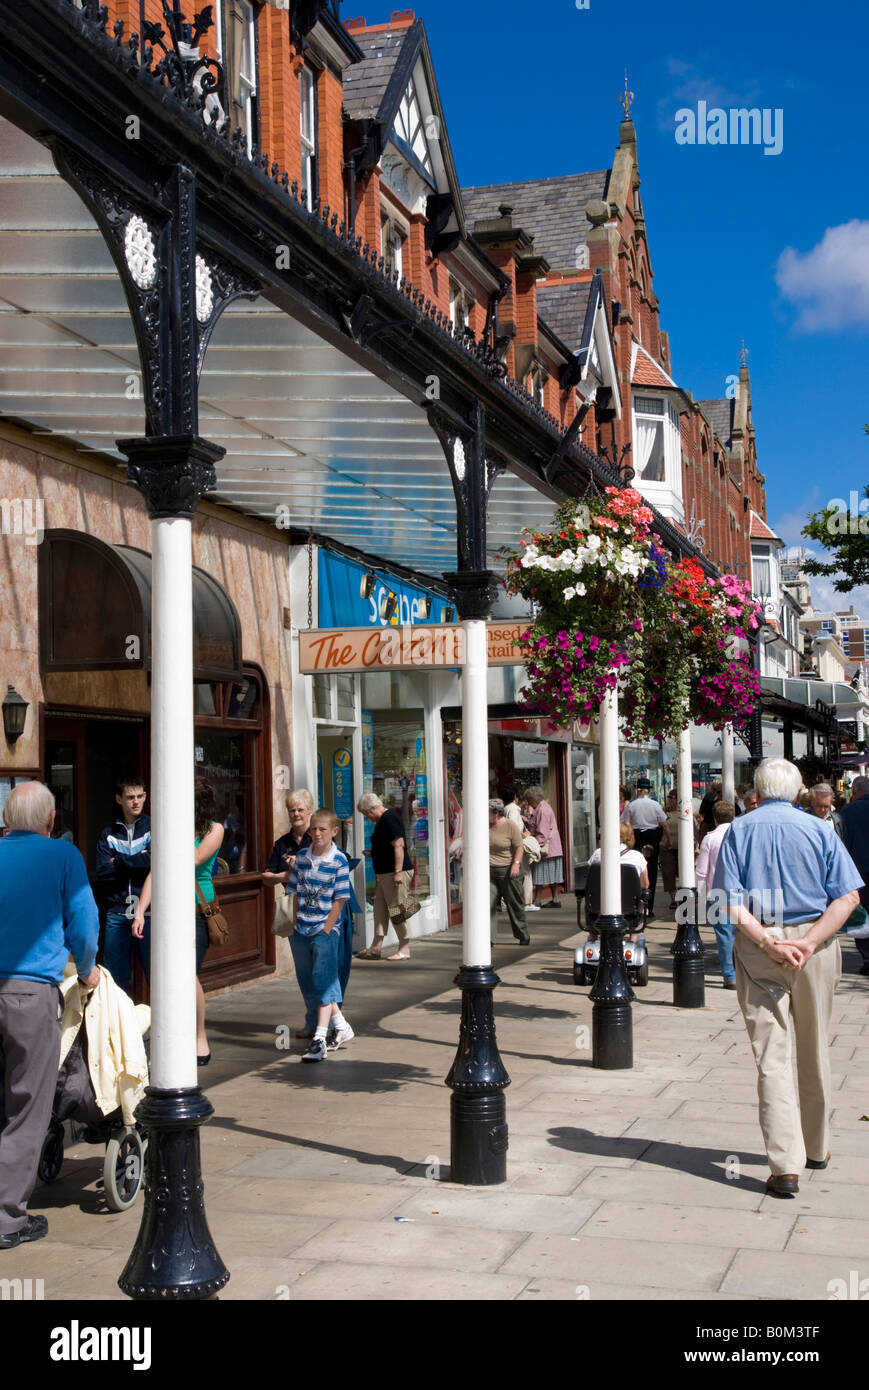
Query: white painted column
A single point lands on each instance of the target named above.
(728, 788)
(173, 903)
(610, 844)
(686, 810)
(475, 796)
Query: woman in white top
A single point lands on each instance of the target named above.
(629, 855)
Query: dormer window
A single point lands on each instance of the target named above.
(236, 48)
(535, 383)
(761, 571)
(392, 238)
(461, 304)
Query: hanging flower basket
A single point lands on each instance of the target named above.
(586, 579)
(613, 608)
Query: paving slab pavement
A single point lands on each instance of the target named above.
(332, 1182)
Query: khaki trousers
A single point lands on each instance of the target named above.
(776, 1003)
(387, 894)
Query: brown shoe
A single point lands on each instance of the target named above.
(817, 1162)
(783, 1185)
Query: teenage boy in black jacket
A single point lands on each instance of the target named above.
(123, 863)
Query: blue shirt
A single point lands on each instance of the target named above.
(791, 863)
(47, 909)
(317, 885)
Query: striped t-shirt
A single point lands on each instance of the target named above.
(317, 883)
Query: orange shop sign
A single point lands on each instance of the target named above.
(396, 648)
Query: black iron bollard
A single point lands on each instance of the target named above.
(689, 981)
(174, 1256)
(478, 1111)
(612, 1046)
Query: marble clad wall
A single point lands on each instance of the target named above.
(242, 556)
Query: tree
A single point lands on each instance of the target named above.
(846, 536)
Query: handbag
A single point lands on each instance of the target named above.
(218, 927)
(405, 907)
(282, 922)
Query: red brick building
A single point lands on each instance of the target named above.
(554, 274)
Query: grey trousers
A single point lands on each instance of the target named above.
(29, 1058)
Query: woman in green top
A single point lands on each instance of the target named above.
(209, 838)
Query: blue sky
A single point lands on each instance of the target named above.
(770, 248)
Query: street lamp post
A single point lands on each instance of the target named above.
(478, 1077)
(728, 780)
(174, 1256)
(689, 989)
(611, 996)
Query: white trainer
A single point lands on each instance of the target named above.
(339, 1036)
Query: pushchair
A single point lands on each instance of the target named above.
(75, 1101)
(634, 902)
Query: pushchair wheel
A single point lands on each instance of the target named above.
(124, 1168)
(51, 1158)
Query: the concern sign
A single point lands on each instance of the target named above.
(397, 648)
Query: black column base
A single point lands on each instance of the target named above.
(689, 977)
(612, 1038)
(174, 1256)
(478, 1110)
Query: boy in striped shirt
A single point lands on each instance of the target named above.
(320, 883)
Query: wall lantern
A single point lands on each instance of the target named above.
(366, 585)
(14, 714)
(390, 608)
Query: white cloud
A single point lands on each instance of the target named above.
(694, 87)
(830, 283)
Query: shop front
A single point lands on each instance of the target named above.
(524, 753)
(75, 638)
(372, 729)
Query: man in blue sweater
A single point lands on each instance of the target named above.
(47, 913)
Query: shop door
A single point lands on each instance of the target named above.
(84, 757)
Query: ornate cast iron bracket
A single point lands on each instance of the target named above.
(217, 285)
(136, 240)
(472, 477)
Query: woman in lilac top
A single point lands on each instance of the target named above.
(549, 872)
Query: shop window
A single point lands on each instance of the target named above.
(226, 752)
(395, 766)
(308, 118)
(335, 698)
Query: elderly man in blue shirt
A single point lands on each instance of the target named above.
(790, 886)
(47, 913)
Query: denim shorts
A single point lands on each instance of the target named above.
(316, 961)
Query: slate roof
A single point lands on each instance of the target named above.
(563, 309)
(719, 413)
(365, 83)
(550, 210)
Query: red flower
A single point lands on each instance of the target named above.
(698, 632)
